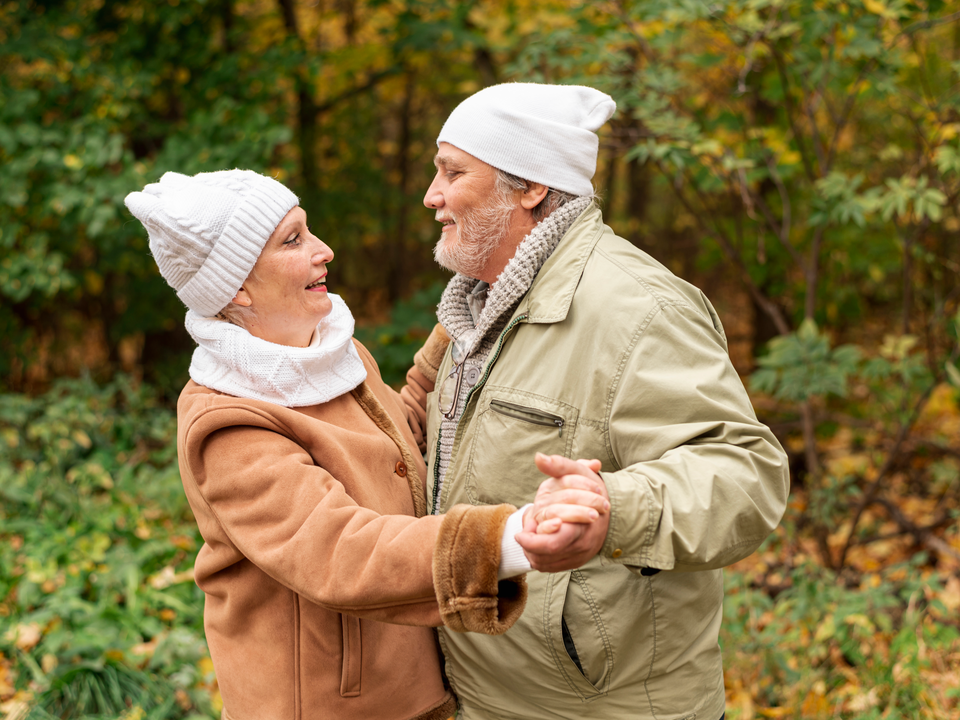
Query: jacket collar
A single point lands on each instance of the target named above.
(550, 295)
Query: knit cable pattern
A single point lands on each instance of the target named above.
(231, 360)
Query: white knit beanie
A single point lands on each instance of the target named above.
(207, 231)
(543, 133)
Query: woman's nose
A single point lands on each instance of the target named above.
(322, 254)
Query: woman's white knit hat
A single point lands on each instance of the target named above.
(543, 133)
(207, 231)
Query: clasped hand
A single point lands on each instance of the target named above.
(568, 521)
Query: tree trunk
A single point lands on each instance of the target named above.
(306, 117)
(399, 270)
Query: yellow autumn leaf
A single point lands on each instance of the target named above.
(49, 663)
(774, 712)
(82, 439)
(205, 666)
(216, 701)
(707, 147)
(25, 635)
(18, 707)
(950, 595)
(826, 630)
(860, 620)
(790, 157)
(134, 713)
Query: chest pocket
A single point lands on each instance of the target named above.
(510, 427)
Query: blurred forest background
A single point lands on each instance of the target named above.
(797, 159)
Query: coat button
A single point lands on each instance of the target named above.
(471, 375)
(401, 469)
(616, 553)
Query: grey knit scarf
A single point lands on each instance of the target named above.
(454, 311)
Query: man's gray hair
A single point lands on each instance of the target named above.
(554, 199)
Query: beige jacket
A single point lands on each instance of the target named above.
(322, 575)
(611, 356)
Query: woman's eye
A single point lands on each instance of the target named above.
(295, 240)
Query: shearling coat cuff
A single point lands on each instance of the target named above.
(466, 559)
(428, 357)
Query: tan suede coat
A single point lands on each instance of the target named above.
(322, 577)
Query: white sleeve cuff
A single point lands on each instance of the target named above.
(512, 560)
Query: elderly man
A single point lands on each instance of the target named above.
(569, 341)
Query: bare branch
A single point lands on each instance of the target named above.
(815, 135)
(870, 493)
(748, 65)
(869, 67)
(785, 224)
(811, 272)
(925, 24)
(791, 113)
(745, 194)
(642, 43)
(765, 303)
(922, 534)
(371, 82)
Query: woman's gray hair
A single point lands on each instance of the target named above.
(238, 314)
(507, 183)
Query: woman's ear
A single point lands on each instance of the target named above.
(242, 298)
(533, 195)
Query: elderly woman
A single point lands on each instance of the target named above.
(322, 572)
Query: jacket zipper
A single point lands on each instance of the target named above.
(530, 415)
(496, 354)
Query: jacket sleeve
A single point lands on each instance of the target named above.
(421, 378)
(701, 481)
(295, 522)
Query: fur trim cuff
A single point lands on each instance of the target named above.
(465, 564)
(444, 711)
(428, 357)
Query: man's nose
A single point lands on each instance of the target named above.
(434, 198)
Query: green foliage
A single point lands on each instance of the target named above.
(904, 194)
(106, 689)
(96, 100)
(96, 551)
(839, 203)
(797, 137)
(867, 647)
(394, 343)
(802, 365)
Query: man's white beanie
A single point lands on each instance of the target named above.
(543, 133)
(207, 231)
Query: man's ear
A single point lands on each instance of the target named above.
(242, 298)
(533, 195)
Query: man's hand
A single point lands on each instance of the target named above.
(549, 545)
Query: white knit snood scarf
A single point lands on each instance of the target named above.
(231, 360)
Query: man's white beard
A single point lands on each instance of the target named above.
(479, 234)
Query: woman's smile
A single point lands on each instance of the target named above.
(318, 285)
